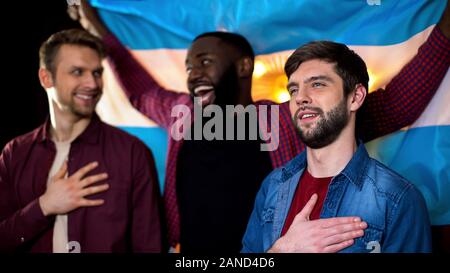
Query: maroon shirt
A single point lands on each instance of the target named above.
(129, 219)
(307, 186)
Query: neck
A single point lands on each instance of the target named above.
(65, 126)
(329, 161)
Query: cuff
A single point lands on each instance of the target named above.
(33, 220)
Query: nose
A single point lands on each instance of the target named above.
(302, 97)
(92, 81)
(195, 74)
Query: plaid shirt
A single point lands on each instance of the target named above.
(400, 104)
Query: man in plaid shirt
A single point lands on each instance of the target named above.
(209, 59)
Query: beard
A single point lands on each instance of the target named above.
(84, 111)
(81, 112)
(328, 128)
(227, 88)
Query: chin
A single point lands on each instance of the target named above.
(85, 113)
(306, 127)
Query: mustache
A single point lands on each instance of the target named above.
(93, 90)
(312, 109)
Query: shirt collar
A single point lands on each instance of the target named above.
(89, 135)
(294, 166)
(354, 171)
(356, 168)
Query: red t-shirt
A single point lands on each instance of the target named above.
(308, 185)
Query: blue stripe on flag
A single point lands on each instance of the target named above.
(156, 139)
(270, 26)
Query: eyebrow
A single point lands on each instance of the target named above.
(320, 77)
(202, 54)
(198, 56)
(97, 69)
(310, 79)
(291, 84)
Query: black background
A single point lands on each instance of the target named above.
(23, 102)
(25, 24)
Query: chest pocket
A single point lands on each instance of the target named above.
(371, 242)
(267, 216)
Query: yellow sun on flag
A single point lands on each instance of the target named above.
(373, 78)
(259, 70)
(269, 81)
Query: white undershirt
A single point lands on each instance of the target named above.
(60, 237)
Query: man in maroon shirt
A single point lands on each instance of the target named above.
(209, 58)
(76, 184)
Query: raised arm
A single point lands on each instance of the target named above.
(408, 94)
(144, 93)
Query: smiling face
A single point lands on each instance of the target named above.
(212, 76)
(76, 85)
(318, 106)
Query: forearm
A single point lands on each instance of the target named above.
(408, 94)
(22, 226)
(145, 94)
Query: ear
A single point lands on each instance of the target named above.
(45, 77)
(245, 67)
(358, 97)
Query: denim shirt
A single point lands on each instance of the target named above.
(394, 210)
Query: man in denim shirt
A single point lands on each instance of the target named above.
(334, 177)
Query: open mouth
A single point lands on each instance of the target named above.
(307, 116)
(86, 97)
(205, 93)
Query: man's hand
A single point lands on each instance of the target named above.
(444, 22)
(88, 18)
(66, 194)
(319, 236)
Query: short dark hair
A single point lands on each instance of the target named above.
(236, 40)
(348, 65)
(50, 48)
